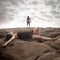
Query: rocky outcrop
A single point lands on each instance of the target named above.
(32, 50)
(25, 50)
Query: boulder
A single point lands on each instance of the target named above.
(24, 50)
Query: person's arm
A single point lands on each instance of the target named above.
(6, 43)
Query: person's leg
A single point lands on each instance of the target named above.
(36, 37)
(43, 38)
(48, 38)
(29, 24)
(37, 31)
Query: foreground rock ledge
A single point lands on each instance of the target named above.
(25, 50)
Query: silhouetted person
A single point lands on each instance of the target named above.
(28, 21)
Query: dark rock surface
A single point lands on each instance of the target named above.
(32, 50)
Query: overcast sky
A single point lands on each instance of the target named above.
(43, 13)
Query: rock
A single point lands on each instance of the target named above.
(32, 50)
(47, 56)
(55, 45)
(23, 50)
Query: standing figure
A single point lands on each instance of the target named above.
(28, 21)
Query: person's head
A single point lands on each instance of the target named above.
(10, 32)
(27, 16)
(8, 35)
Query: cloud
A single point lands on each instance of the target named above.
(55, 8)
(7, 10)
(35, 2)
(57, 17)
(50, 2)
(47, 16)
(40, 10)
(54, 12)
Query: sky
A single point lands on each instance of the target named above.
(43, 13)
